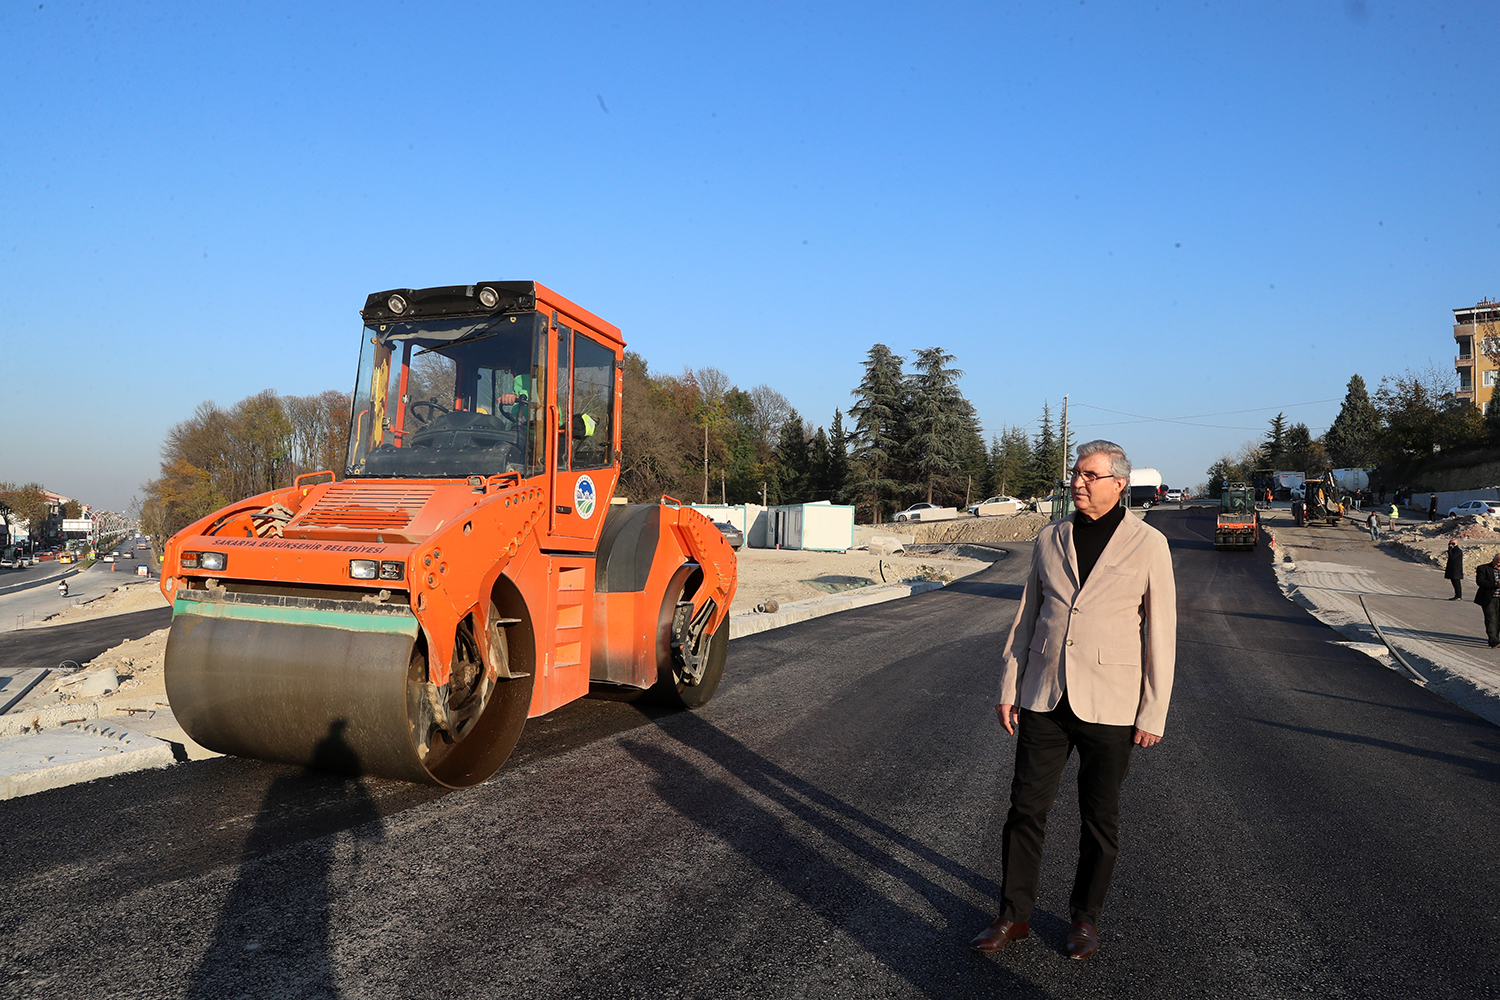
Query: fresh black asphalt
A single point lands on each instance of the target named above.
(828, 826)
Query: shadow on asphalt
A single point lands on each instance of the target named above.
(271, 938)
(977, 588)
(1293, 619)
(924, 952)
(1448, 716)
(1488, 770)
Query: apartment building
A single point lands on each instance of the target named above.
(1478, 371)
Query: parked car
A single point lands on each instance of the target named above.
(914, 512)
(997, 505)
(1475, 508)
(1046, 501)
(734, 536)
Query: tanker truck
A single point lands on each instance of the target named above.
(1351, 481)
(466, 571)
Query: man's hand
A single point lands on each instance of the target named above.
(1010, 715)
(1145, 739)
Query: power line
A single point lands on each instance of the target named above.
(1188, 421)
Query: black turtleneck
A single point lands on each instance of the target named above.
(1090, 537)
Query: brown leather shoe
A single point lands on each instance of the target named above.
(1000, 933)
(1083, 939)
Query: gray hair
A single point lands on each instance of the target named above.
(1119, 465)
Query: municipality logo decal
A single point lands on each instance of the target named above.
(583, 497)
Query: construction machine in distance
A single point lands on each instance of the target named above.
(1319, 501)
(1238, 526)
(468, 572)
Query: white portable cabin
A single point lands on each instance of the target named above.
(821, 526)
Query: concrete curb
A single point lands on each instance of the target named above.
(751, 622)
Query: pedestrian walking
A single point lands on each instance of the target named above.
(1454, 571)
(1488, 598)
(1374, 525)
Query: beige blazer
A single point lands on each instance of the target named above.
(1112, 644)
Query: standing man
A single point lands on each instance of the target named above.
(1487, 579)
(1454, 570)
(1374, 525)
(1432, 508)
(1088, 664)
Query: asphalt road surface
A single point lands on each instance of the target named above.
(1312, 825)
(79, 641)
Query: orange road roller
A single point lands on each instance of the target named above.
(468, 571)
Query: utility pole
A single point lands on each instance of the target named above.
(705, 462)
(1065, 438)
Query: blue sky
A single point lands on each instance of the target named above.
(1185, 216)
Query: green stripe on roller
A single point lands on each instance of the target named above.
(349, 621)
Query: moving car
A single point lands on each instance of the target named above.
(1475, 508)
(996, 505)
(1174, 495)
(914, 512)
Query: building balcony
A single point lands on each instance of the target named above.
(1464, 359)
(1465, 392)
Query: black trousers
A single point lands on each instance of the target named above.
(1458, 588)
(1492, 620)
(1045, 740)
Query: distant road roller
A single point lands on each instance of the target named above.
(1238, 524)
(467, 572)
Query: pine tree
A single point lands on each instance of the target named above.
(793, 463)
(819, 457)
(1046, 457)
(838, 459)
(1354, 437)
(1012, 467)
(1275, 447)
(940, 424)
(872, 484)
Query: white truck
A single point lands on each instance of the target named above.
(1291, 482)
(1145, 487)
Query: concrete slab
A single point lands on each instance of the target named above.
(75, 753)
(17, 684)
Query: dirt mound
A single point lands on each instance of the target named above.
(1013, 528)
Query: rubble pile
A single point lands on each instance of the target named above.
(1427, 541)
